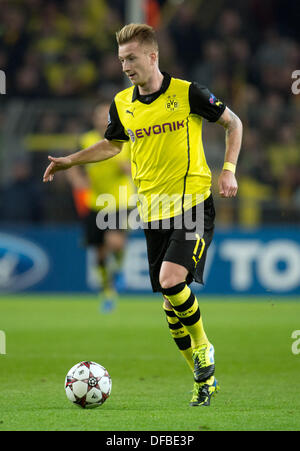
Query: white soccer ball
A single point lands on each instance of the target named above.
(88, 384)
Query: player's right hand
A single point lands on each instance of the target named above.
(57, 164)
(228, 186)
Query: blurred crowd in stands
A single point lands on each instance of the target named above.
(245, 52)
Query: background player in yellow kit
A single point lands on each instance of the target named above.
(162, 118)
(94, 180)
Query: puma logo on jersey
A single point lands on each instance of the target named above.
(130, 112)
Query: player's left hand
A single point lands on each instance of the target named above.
(227, 184)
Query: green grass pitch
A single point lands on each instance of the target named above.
(45, 336)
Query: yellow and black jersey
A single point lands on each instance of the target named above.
(165, 134)
(107, 176)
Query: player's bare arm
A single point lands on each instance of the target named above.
(102, 150)
(234, 130)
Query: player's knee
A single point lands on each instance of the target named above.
(169, 281)
(115, 240)
(171, 274)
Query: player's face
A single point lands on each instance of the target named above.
(138, 62)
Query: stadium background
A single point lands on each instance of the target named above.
(59, 59)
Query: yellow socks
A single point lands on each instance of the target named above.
(106, 279)
(186, 308)
(180, 336)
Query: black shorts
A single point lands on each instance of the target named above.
(93, 235)
(172, 245)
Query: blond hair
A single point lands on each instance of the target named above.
(140, 32)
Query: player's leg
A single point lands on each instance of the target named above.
(186, 308)
(104, 272)
(94, 238)
(179, 333)
(158, 244)
(184, 262)
(115, 241)
(110, 258)
(183, 301)
(166, 275)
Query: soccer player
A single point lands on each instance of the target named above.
(162, 118)
(97, 179)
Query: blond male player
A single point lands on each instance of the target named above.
(162, 118)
